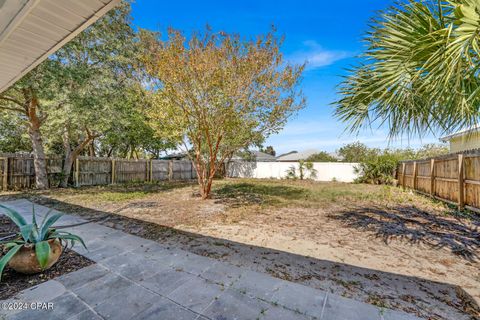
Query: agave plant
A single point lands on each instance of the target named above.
(36, 236)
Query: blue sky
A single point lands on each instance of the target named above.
(328, 34)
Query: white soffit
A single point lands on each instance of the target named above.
(31, 30)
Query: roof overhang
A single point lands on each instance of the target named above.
(31, 30)
(460, 133)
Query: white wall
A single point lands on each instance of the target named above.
(326, 171)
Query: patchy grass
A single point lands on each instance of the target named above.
(308, 194)
(100, 194)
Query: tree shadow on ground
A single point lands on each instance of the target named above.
(422, 297)
(408, 223)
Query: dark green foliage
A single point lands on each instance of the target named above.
(268, 150)
(378, 166)
(321, 156)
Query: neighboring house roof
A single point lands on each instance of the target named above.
(460, 133)
(284, 154)
(262, 156)
(31, 30)
(258, 156)
(296, 156)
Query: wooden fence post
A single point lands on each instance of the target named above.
(170, 170)
(77, 172)
(415, 170)
(461, 184)
(403, 175)
(432, 177)
(113, 171)
(151, 170)
(147, 170)
(5, 174)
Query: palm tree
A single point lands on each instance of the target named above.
(420, 71)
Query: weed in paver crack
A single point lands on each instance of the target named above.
(377, 300)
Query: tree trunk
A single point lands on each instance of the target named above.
(39, 159)
(205, 179)
(207, 188)
(91, 148)
(72, 154)
(67, 168)
(67, 160)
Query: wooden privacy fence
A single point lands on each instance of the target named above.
(90, 171)
(17, 171)
(451, 178)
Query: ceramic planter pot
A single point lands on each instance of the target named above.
(25, 260)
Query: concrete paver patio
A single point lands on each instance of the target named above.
(135, 278)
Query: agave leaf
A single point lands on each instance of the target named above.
(34, 218)
(50, 221)
(42, 250)
(35, 236)
(14, 216)
(11, 244)
(68, 236)
(7, 257)
(26, 232)
(46, 217)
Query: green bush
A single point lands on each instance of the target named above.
(377, 169)
(378, 166)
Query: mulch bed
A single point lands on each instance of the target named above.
(13, 282)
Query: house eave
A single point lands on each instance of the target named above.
(35, 29)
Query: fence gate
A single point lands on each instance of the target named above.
(4, 173)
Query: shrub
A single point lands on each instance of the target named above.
(321, 156)
(378, 167)
(304, 167)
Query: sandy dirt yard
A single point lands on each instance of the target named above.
(376, 244)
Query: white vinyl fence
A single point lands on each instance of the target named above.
(325, 171)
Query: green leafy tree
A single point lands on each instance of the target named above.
(96, 79)
(219, 93)
(355, 152)
(321, 156)
(420, 70)
(79, 93)
(13, 137)
(431, 150)
(25, 100)
(268, 150)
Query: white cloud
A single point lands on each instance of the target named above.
(316, 56)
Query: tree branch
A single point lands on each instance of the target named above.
(12, 109)
(11, 100)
